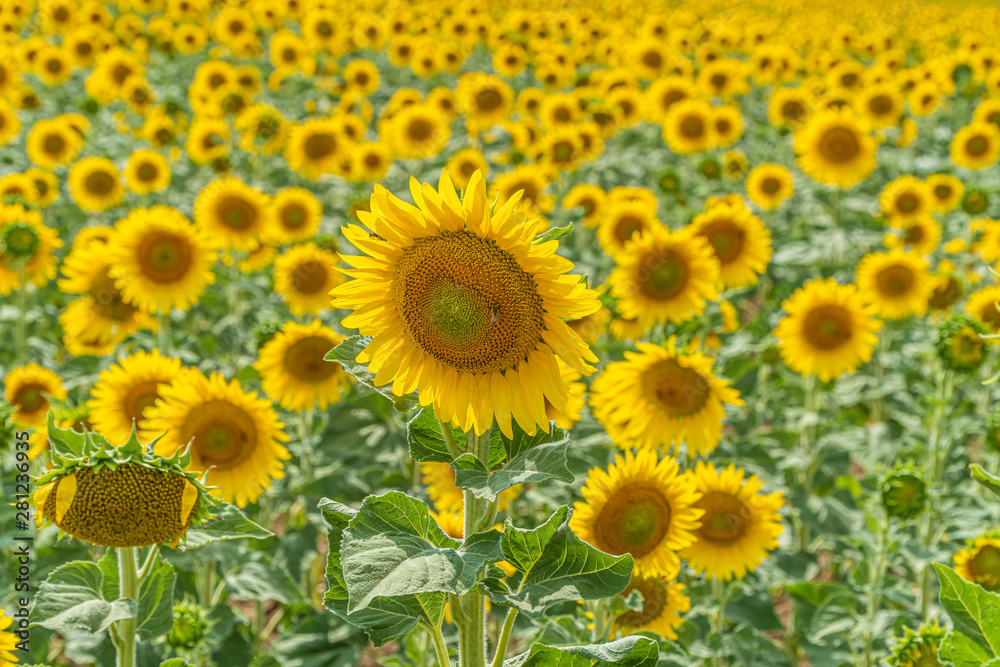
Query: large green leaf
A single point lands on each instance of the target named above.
(155, 615)
(626, 652)
(986, 479)
(961, 651)
(393, 547)
(974, 610)
(383, 619)
(227, 523)
(426, 441)
(558, 567)
(346, 354)
(71, 598)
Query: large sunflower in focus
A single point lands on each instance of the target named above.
(464, 306)
(639, 506)
(739, 525)
(160, 261)
(231, 431)
(665, 276)
(659, 398)
(740, 240)
(125, 390)
(897, 283)
(293, 370)
(834, 147)
(828, 329)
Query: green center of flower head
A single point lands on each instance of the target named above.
(20, 240)
(667, 278)
(147, 172)
(633, 521)
(457, 312)
(907, 203)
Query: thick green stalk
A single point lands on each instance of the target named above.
(479, 515)
(128, 583)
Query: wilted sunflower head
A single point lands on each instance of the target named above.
(117, 496)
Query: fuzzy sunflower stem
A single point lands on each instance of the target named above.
(937, 465)
(720, 593)
(479, 515)
(128, 584)
(508, 626)
(440, 647)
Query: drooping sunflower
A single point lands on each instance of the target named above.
(95, 184)
(834, 147)
(976, 145)
(640, 506)
(28, 388)
(315, 147)
(740, 240)
(24, 239)
(125, 390)
(769, 184)
(663, 602)
(897, 283)
(982, 304)
(147, 171)
(232, 214)
(660, 398)
(740, 525)
(946, 192)
(665, 276)
(304, 275)
(624, 221)
(464, 307)
(296, 214)
(293, 371)
(979, 562)
(827, 330)
(160, 261)
(231, 431)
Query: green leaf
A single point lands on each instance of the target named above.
(155, 614)
(961, 651)
(385, 618)
(176, 662)
(71, 598)
(566, 568)
(986, 479)
(346, 354)
(227, 523)
(974, 610)
(631, 651)
(393, 548)
(423, 434)
(262, 581)
(554, 234)
(523, 547)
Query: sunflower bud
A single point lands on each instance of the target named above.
(670, 182)
(710, 168)
(19, 240)
(190, 626)
(918, 648)
(959, 343)
(903, 493)
(975, 202)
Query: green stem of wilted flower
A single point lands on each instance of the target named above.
(128, 584)
(479, 515)
(807, 442)
(937, 460)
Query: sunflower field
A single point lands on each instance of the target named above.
(425, 333)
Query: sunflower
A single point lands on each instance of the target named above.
(881, 105)
(663, 602)
(897, 283)
(10, 124)
(95, 184)
(976, 146)
(315, 147)
(207, 139)
(726, 125)
(464, 306)
(531, 181)
(147, 171)
(904, 199)
(232, 214)
(665, 276)
(988, 246)
(29, 388)
(464, 163)
(982, 304)
(418, 131)
(790, 107)
(827, 329)
(262, 128)
(769, 184)
(591, 199)
(920, 235)
(739, 525)
(623, 221)
(834, 147)
(303, 276)
(370, 161)
(296, 215)
(639, 506)
(125, 390)
(979, 562)
(53, 142)
(660, 398)
(439, 478)
(740, 240)
(293, 371)
(960, 343)
(361, 76)
(8, 640)
(687, 127)
(946, 192)
(235, 436)
(46, 187)
(918, 649)
(160, 260)
(25, 245)
(484, 99)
